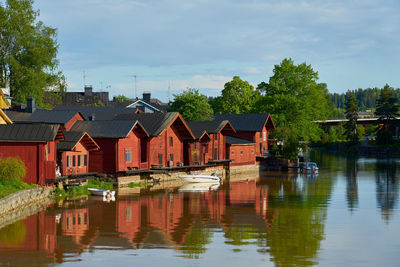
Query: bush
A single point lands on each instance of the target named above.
(12, 168)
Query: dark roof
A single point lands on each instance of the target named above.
(101, 113)
(43, 116)
(237, 141)
(28, 132)
(154, 123)
(71, 139)
(17, 116)
(209, 126)
(105, 129)
(245, 122)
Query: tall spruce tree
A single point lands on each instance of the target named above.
(28, 51)
(387, 107)
(351, 113)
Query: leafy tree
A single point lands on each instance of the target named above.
(238, 96)
(28, 51)
(351, 112)
(120, 98)
(290, 147)
(295, 99)
(192, 105)
(386, 106)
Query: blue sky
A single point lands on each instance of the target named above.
(203, 44)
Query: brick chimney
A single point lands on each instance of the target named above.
(146, 97)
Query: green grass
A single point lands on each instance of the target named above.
(8, 187)
(133, 184)
(76, 191)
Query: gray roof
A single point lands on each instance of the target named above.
(105, 129)
(28, 132)
(154, 123)
(42, 116)
(100, 113)
(70, 140)
(245, 122)
(237, 141)
(209, 126)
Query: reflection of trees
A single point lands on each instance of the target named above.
(387, 188)
(12, 235)
(298, 226)
(196, 241)
(351, 184)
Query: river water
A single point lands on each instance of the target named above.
(348, 215)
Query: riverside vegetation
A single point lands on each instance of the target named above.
(12, 170)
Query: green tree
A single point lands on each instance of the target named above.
(386, 106)
(238, 96)
(192, 105)
(295, 99)
(351, 112)
(28, 51)
(120, 98)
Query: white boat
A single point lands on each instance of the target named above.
(102, 192)
(200, 178)
(199, 187)
(309, 167)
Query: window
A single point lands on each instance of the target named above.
(215, 153)
(68, 161)
(160, 161)
(264, 136)
(216, 137)
(261, 149)
(171, 157)
(85, 160)
(252, 151)
(171, 141)
(261, 134)
(241, 152)
(79, 160)
(73, 161)
(233, 152)
(128, 155)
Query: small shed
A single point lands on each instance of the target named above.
(73, 153)
(35, 145)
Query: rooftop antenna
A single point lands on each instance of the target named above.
(169, 91)
(84, 78)
(134, 76)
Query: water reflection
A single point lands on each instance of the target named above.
(351, 184)
(387, 187)
(284, 216)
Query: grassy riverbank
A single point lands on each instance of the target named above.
(76, 191)
(8, 187)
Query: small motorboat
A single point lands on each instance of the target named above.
(102, 192)
(309, 167)
(199, 187)
(200, 178)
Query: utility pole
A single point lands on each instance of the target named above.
(134, 76)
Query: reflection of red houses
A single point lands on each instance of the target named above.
(39, 232)
(75, 223)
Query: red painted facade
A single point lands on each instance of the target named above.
(241, 154)
(74, 162)
(260, 138)
(77, 117)
(119, 154)
(39, 159)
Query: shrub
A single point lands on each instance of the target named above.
(12, 168)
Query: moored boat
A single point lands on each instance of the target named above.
(102, 192)
(199, 187)
(200, 178)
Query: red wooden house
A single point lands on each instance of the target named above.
(240, 151)
(73, 153)
(252, 127)
(217, 130)
(35, 145)
(166, 134)
(123, 144)
(195, 152)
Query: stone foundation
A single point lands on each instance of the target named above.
(23, 203)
